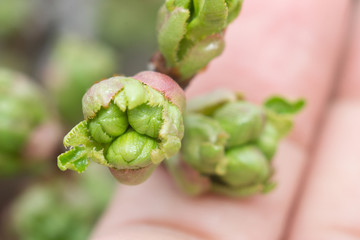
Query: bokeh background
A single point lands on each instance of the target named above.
(51, 52)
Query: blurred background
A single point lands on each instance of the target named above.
(51, 52)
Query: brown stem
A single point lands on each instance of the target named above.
(158, 64)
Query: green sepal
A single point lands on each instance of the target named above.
(74, 159)
(171, 132)
(280, 112)
(77, 158)
(171, 33)
(98, 156)
(82, 148)
(79, 135)
(281, 105)
(208, 103)
(234, 8)
(200, 54)
(135, 93)
(209, 17)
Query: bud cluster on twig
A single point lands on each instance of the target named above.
(229, 143)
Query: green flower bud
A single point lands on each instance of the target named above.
(74, 65)
(108, 124)
(146, 114)
(204, 144)
(243, 122)
(246, 166)
(190, 35)
(131, 125)
(131, 150)
(229, 144)
(268, 140)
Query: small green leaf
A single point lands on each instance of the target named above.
(280, 113)
(281, 105)
(74, 159)
(206, 104)
(282, 123)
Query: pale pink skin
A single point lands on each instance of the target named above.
(286, 47)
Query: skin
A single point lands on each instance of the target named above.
(294, 48)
